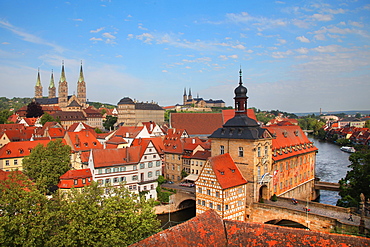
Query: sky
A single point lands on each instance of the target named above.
(296, 56)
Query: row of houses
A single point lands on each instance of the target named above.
(357, 136)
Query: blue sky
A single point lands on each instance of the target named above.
(296, 56)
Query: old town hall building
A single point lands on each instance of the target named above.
(250, 163)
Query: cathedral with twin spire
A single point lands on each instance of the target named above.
(64, 101)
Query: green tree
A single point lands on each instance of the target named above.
(26, 218)
(98, 131)
(356, 181)
(4, 115)
(161, 180)
(48, 118)
(46, 164)
(367, 124)
(34, 109)
(118, 218)
(109, 122)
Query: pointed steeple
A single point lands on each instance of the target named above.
(38, 82)
(189, 91)
(184, 91)
(81, 78)
(190, 96)
(52, 88)
(63, 74)
(38, 86)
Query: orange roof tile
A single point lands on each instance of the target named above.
(19, 149)
(157, 142)
(120, 156)
(197, 123)
(227, 173)
(128, 131)
(83, 140)
(74, 179)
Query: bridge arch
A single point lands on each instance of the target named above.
(287, 223)
(263, 193)
(187, 203)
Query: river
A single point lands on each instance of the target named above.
(331, 165)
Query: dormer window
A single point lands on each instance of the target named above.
(85, 143)
(8, 151)
(21, 151)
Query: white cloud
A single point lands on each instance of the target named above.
(130, 36)
(164, 71)
(282, 41)
(302, 50)
(356, 24)
(335, 11)
(329, 49)
(322, 17)
(303, 39)
(77, 19)
(29, 37)
(233, 56)
(96, 39)
(241, 47)
(5, 43)
(119, 56)
(261, 23)
(108, 35)
(140, 26)
(145, 37)
(97, 30)
(281, 54)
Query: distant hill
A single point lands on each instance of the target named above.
(366, 112)
(97, 105)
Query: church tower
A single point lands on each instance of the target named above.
(81, 88)
(184, 97)
(38, 86)
(52, 88)
(63, 89)
(190, 96)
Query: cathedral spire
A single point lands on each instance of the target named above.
(51, 85)
(184, 91)
(62, 75)
(63, 89)
(38, 86)
(81, 78)
(52, 88)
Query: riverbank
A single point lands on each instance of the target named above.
(165, 209)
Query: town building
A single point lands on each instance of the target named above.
(132, 112)
(260, 154)
(198, 102)
(76, 179)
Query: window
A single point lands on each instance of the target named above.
(173, 167)
(154, 156)
(266, 150)
(217, 194)
(226, 207)
(75, 181)
(134, 178)
(100, 181)
(134, 168)
(100, 171)
(107, 170)
(144, 187)
(84, 180)
(157, 172)
(158, 163)
(241, 153)
(259, 171)
(7, 162)
(115, 180)
(152, 187)
(199, 202)
(150, 165)
(210, 205)
(218, 207)
(122, 169)
(240, 190)
(199, 190)
(203, 203)
(142, 165)
(240, 203)
(123, 179)
(222, 149)
(15, 162)
(226, 194)
(150, 174)
(209, 192)
(107, 181)
(259, 152)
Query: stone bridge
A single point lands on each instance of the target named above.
(182, 199)
(320, 217)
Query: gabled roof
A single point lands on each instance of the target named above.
(92, 113)
(81, 125)
(56, 132)
(157, 143)
(128, 131)
(5, 127)
(82, 141)
(289, 141)
(227, 173)
(69, 116)
(197, 123)
(73, 179)
(19, 149)
(113, 157)
(201, 155)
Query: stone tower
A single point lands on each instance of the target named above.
(81, 88)
(52, 89)
(190, 96)
(184, 97)
(63, 90)
(38, 86)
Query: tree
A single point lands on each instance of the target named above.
(46, 164)
(109, 122)
(367, 124)
(47, 118)
(118, 218)
(98, 131)
(4, 115)
(357, 180)
(25, 218)
(34, 109)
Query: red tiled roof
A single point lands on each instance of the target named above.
(197, 123)
(19, 149)
(208, 229)
(83, 140)
(128, 131)
(74, 126)
(111, 157)
(227, 173)
(290, 138)
(201, 155)
(30, 121)
(56, 132)
(6, 127)
(157, 142)
(228, 114)
(74, 179)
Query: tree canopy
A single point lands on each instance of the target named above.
(34, 109)
(48, 118)
(109, 122)
(356, 181)
(86, 218)
(46, 164)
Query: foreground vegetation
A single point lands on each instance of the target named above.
(88, 218)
